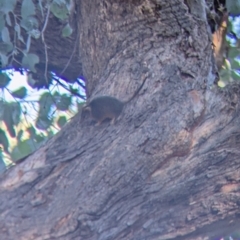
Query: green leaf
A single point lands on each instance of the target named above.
(227, 64)
(233, 6)
(43, 123)
(23, 149)
(229, 26)
(4, 80)
(235, 76)
(67, 31)
(41, 7)
(27, 9)
(8, 120)
(35, 33)
(5, 35)
(2, 107)
(29, 61)
(46, 97)
(18, 31)
(59, 10)
(16, 112)
(19, 135)
(50, 134)
(28, 44)
(45, 104)
(221, 84)
(4, 60)
(5, 47)
(8, 19)
(233, 53)
(7, 6)
(20, 93)
(2, 163)
(30, 80)
(4, 141)
(225, 75)
(234, 64)
(29, 23)
(39, 138)
(61, 121)
(235, 235)
(2, 21)
(32, 132)
(73, 90)
(64, 102)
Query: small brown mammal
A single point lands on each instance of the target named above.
(107, 107)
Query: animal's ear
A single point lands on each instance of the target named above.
(86, 104)
(86, 107)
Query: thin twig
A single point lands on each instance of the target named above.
(44, 43)
(79, 83)
(70, 59)
(69, 90)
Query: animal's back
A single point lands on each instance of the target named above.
(105, 107)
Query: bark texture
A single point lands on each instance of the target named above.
(167, 169)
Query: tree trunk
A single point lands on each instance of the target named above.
(168, 168)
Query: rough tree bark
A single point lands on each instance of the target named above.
(168, 168)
